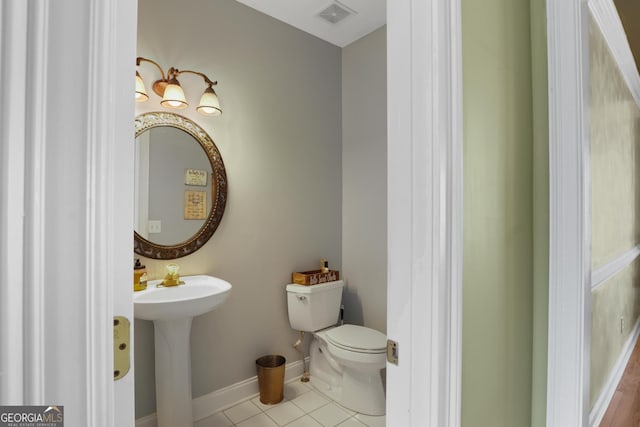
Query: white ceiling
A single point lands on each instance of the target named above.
(302, 14)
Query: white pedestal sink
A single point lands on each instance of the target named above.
(171, 309)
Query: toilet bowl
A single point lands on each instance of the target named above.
(345, 361)
(347, 372)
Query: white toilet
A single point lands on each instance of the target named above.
(345, 361)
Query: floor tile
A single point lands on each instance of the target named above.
(284, 413)
(305, 421)
(330, 415)
(372, 421)
(351, 422)
(294, 389)
(310, 401)
(302, 406)
(264, 406)
(242, 411)
(347, 410)
(260, 420)
(216, 420)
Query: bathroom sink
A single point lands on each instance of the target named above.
(172, 310)
(199, 295)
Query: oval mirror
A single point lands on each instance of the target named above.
(180, 186)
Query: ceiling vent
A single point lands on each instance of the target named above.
(335, 13)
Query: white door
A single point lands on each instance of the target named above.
(66, 129)
(424, 150)
(124, 36)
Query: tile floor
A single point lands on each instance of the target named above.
(302, 406)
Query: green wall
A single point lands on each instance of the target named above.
(498, 214)
(615, 200)
(618, 297)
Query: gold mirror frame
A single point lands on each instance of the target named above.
(148, 249)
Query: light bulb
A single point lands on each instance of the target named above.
(209, 103)
(174, 96)
(141, 92)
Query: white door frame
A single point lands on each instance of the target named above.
(13, 47)
(569, 220)
(424, 296)
(65, 205)
(571, 275)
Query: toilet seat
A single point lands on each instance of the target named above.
(358, 339)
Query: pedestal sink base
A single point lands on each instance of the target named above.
(171, 309)
(173, 372)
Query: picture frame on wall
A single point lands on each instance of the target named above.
(195, 204)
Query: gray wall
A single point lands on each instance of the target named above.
(280, 138)
(364, 180)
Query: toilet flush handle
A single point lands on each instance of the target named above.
(301, 297)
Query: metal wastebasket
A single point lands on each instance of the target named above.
(271, 378)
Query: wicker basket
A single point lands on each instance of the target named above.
(314, 277)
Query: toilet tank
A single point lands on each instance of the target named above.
(314, 307)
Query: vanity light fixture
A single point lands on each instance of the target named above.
(172, 94)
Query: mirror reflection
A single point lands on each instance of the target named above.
(173, 185)
(180, 186)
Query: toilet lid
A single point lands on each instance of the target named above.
(358, 338)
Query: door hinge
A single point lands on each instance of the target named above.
(392, 352)
(121, 346)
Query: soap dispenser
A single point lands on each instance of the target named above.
(139, 276)
(324, 265)
(172, 278)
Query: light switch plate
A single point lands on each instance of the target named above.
(155, 226)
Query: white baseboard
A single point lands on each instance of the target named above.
(609, 388)
(216, 401)
(148, 421)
